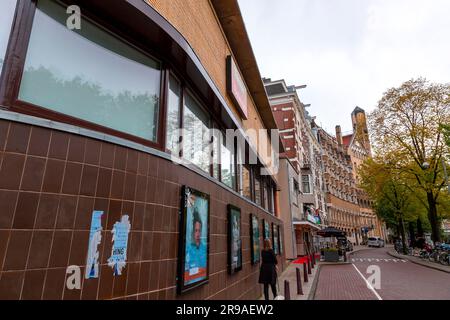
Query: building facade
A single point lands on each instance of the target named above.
(303, 158)
(93, 172)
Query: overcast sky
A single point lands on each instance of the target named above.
(348, 52)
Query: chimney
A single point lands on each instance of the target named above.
(339, 135)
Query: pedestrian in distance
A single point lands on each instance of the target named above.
(268, 271)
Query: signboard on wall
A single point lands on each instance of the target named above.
(236, 87)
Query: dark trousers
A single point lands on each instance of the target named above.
(266, 290)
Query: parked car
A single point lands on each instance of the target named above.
(375, 242)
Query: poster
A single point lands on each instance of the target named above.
(95, 238)
(254, 236)
(234, 239)
(266, 230)
(194, 240)
(120, 233)
(275, 242)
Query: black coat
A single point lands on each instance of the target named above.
(268, 273)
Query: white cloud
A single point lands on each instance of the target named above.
(349, 52)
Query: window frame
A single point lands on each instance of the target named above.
(15, 62)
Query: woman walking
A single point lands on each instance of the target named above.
(268, 272)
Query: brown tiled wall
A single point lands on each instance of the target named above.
(51, 181)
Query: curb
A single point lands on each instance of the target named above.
(312, 292)
(420, 263)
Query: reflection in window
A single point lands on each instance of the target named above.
(246, 186)
(7, 9)
(196, 145)
(306, 184)
(266, 197)
(257, 191)
(173, 116)
(227, 165)
(93, 76)
(217, 142)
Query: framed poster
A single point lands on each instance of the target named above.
(255, 241)
(234, 239)
(193, 252)
(280, 240)
(266, 231)
(275, 239)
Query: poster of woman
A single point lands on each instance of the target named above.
(193, 270)
(275, 242)
(254, 234)
(234, 239)
(266, 230)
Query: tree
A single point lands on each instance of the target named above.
(406, 131)
(394, 202)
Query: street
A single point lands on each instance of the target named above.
(400, 279)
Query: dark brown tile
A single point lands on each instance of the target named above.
(8, 200)
(66, 212)
(107, 155)
(134, 253)
(89, 180)
(158, 218)
(17, 253)
(72, 178)
(39, 141)
(47, 210)
(26, 210)
(141, 188)
(132, 161)
(54, 173)
(147, 241)
(11, 285)
(77, 145)
(166, 219)
(165, 245)
(143, 164)
(152, 189)
(59, 255)
(40, 249)
(84, 213)
(130, 186)
(120, 158)
(4, 237)
(18, 137)
(133, 278)
(33, 285)
(104, 183)
(4, 127)
(144, 277)
(118, 185)
(149, 217)
(106, 245)
(128, 209)
(153, 296)
(54, 284)
(152, 166)
(154, 275)
(162, 282)
(11, 171)
(90, 289)
(120, 283)
(33, 174)
(79, 249)
(114, 213)
(138, 216)
(106, 283)
(59, 144)
(92, 155)
(156, 252)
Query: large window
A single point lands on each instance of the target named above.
(90, 74)
(257, 191)
(196, 144)
(306, 184)
(246, 183)
(173, 116)
(228, 164)
(7, 9)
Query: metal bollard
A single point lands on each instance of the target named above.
(305, 273)
(345, 256)
(299, 282)
(309, 265)
(312, 261)
(287, 291)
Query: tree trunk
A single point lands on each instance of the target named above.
(412, 236)
(402, 234)
(432, 216)
(419, 227)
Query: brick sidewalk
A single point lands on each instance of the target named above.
(341, 282)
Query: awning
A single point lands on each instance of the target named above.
(306, 223)
(331, 232)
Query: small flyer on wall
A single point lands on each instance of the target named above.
(95, 238)
(120, 242)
